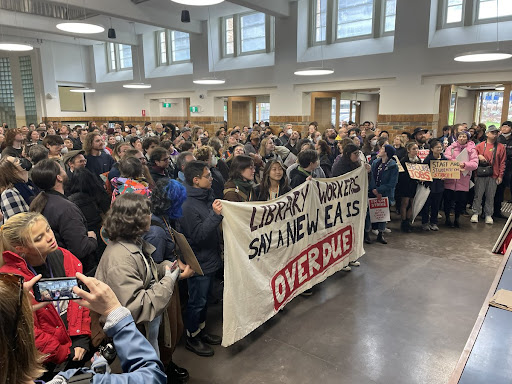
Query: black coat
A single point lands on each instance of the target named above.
(91, 207)
(342, 167)
(200, 225)
(70, 228)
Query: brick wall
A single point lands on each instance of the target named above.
(396, 124)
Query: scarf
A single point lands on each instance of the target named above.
(25, 191)
(245, 187)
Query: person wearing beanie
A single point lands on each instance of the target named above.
(406, 188)
(385, 176)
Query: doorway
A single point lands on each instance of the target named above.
(241, 110)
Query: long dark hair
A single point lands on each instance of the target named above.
(238, 164)
(44, 175)
(264, 187)
(82, 180)
(347, 152)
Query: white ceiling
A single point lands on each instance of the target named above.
(35, 20)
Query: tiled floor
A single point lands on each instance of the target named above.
(403, 316)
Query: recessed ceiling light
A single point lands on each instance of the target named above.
(315, 71)
(82, 90)
(209, 81)
(198, 2)
(500, 88)
(476, 57)
(137, 85)
(15, 47)
(77, 27)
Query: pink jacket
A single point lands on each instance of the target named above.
(451, 153)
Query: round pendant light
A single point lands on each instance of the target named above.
(83, 90)
(15, 47)
(209, 81)
(78, 27)
(477, 57)
(137, 85)
(198, 2)
(314, 71)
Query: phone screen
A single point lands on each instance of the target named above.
(55, 289)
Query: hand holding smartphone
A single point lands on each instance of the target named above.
(56, 289)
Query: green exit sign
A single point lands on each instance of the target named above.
(194, 109)
(166, 105)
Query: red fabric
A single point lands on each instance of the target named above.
(51, 336)
(498, 167)
(507, 241)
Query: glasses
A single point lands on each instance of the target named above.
(17, 282)
(208, 176)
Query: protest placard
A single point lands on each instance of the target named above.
(419, 171)
(400, 168)
(444, 169)
(423, 153)
(379, 210)
(275, 250)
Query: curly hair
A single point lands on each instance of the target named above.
(204, 153)
(167, 198)
(128, 218)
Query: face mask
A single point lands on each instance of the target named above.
(352, 136)
(25, 164)
(137, 132)
(289, 132)
(127, 129)
(373, 142)
(64, 150)
(262, 125)
(118, 138)
(214, 161)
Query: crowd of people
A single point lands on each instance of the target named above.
(107, 202)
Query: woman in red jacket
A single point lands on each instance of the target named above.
(62, 328)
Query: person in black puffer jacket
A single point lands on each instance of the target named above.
(200, 225)
(86, 191)
(436, 190)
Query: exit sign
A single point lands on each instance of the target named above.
(194, 109)
(166, 105)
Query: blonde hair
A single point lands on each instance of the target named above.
(21, 362)
(203, 153)
(17, 232)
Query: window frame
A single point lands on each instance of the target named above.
(168, 47)
(470, 9)
(237, 35)
(377, 30)
(117, 58)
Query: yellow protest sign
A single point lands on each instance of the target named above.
(445, 169)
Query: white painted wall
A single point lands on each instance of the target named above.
(465, 107)
(408, 77)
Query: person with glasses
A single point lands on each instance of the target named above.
(62, 328)
(159, 163)
(23, 359)
(202, 215)
(240, 185)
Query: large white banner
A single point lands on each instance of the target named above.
(275, 250)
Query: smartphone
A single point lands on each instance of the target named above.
(56, 289)
(174, 265)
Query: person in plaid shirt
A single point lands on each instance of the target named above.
(16, 191)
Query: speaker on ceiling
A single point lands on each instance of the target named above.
(111, 33)
(185, 16)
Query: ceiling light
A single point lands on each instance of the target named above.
(198, 2)
(15, 47)
(137, 85)
(209, 81)
(83, 90)
(500, 88)
(78, 27)
(314, 71)
(476, 57)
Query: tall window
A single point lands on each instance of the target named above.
(27, 85)
(247, 33)
(7, 111)
(489, 107)
(335, 20)
(119, 57)
(262, 111)
(172, 47)
(469, 12)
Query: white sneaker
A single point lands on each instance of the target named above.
(474, 218)
(488, 220)
(346, 269)
(387, 230)
(375, 232)
(354, 263)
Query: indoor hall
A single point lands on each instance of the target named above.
(405, 315)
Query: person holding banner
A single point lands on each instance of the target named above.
(406, 188)
(456, 190)
(431, 207)
(385, 176)
(240, 185)
(200, 223)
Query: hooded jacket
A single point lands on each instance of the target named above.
(200, 225)
(451, 153)
(51, 336)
